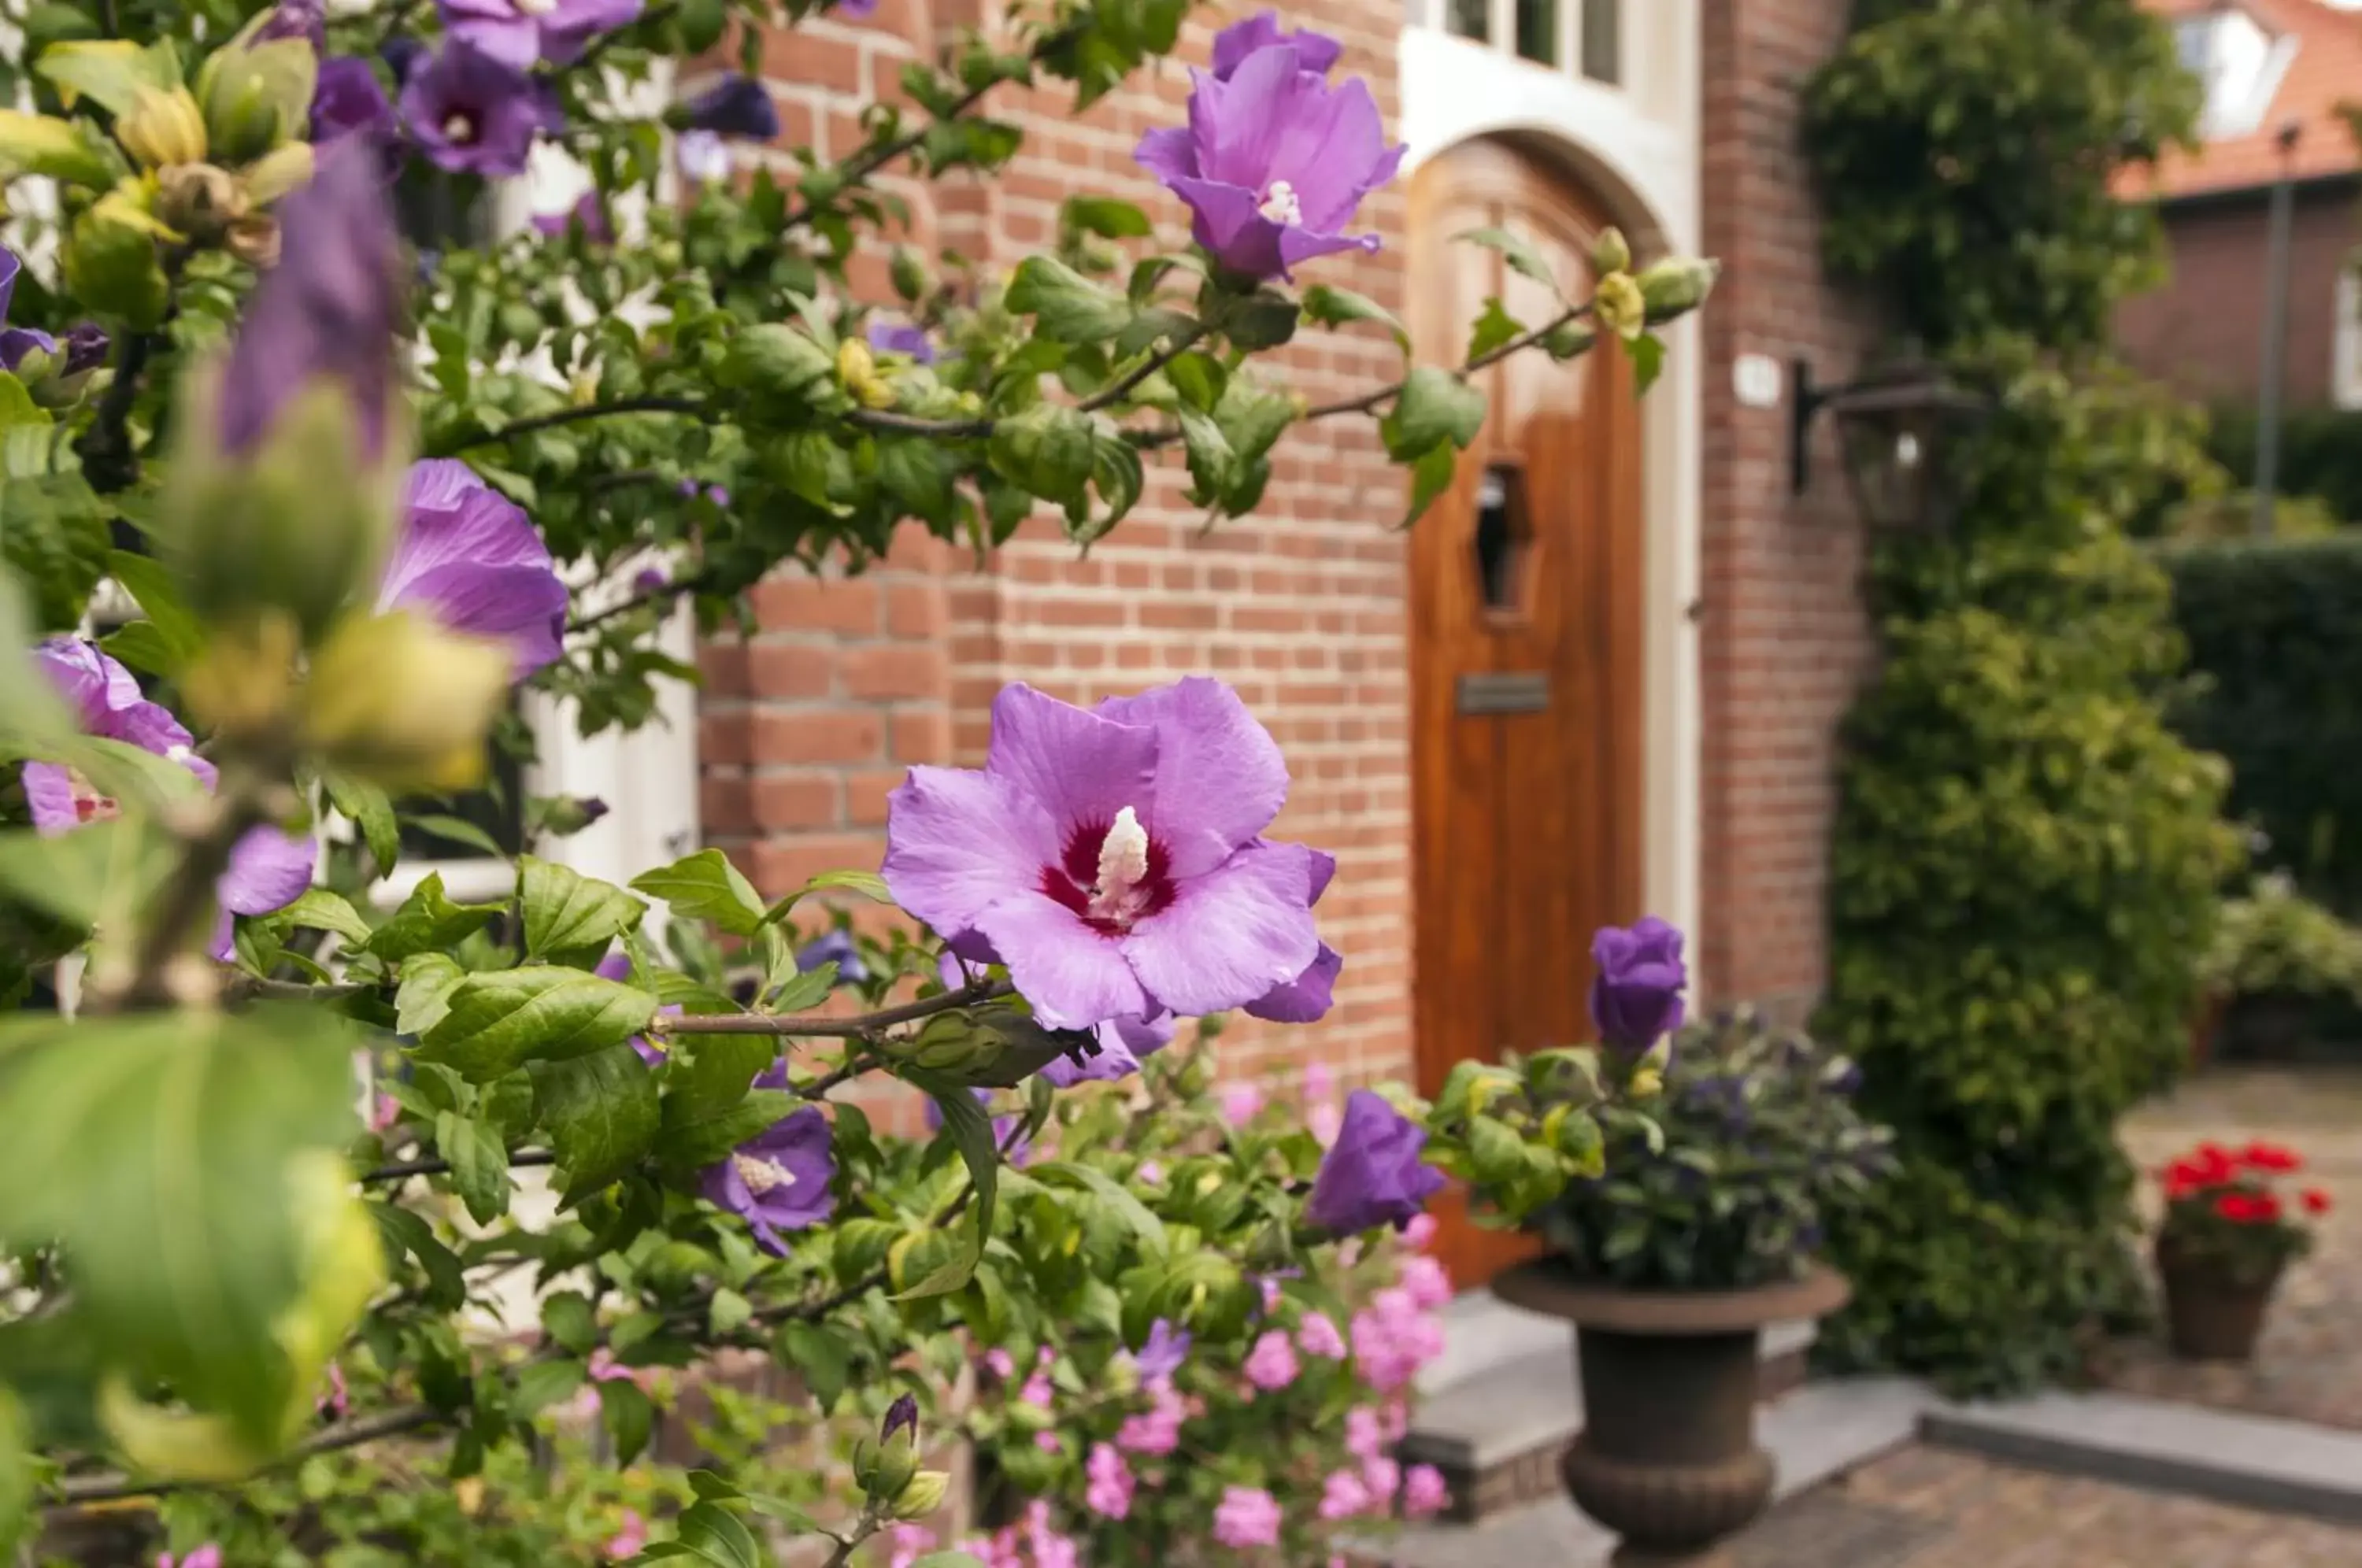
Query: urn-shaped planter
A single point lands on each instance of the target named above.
(1667, 1456)
(2212, 1313)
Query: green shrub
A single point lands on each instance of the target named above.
(2276, 628)
(2321, 454)
(2276, 939)
(2026, 858)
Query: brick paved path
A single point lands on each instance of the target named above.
(2309, 1365)
(1924, 1507)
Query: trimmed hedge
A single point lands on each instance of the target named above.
(2276, 629)
(2321, 454)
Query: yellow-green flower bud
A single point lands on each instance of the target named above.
(1611, 252)
(162, 129)
(857, 369)
(257, 96)
(922, 1495)
(1673, 289)
(396, 699)
(1648, 1083)
(1618, 305)
(286, 169)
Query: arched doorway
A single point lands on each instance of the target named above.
(1526, 652)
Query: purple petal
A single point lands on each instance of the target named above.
(470, 559)
(1083, 768)
(512, 40)
(1240, 125)
(1230, 936)
(736, 106)
(1316, 52)
(10, 265)
(51, 798)
(1307, 997)
(1123, 1042)
(268, 871)
(1220, 775)
(98, 685)
(15, 342)
(957, 842)
(347, 98)
(1168, 152)
(472, 109)
(1227, 223)
(1074, 976)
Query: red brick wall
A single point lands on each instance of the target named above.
(2203, 330)
(1783, 639)
(846, 683)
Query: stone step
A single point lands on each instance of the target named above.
(1501, 1403)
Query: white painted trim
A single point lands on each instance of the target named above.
(1642, 142)
(2346, 341)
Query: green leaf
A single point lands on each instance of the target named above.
(152, 589)
(428, 922)
(479, 1162)
(922, 475)
(706, 886)
(1492, 328)
(568, 1318)
(1145, 1227)
(17, 1488)
(1434, 406)
(713, 1534)
(497, 1022)
(948, 1559)
(1515, 250)
(111, 268)
(1105, 217)
(821, 1357)
(971, 1134)
(1263, 320)
(1211, 461)
(1049, 449)
(1065, 306)
(1430, 476)
(600, 1113)
(162, 1150)
(629, 1417)
(1332, 306)
(541, 1384)
(1648, 352)
(869, 884)
(369, 809)
(566, 911)
(317, 908)
(690, 1145)
(424, 995)
(727, 1313)
(73, 152)
(458, 830)
(405, 1231)
(102, 875)
(56, 537)
(775, 360)
(111, 72)
(140, 646)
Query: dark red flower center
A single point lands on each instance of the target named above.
(1111, 910)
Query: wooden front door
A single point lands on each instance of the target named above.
(1525, 593)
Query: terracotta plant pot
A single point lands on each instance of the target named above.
(2208, 1315)
(1667, 1457)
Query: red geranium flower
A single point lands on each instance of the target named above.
(2315, 1200)
(2268, 1209)
(2246, 1208)
(2274, 1157)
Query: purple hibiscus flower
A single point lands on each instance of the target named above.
(1636, 998)
(1316, 52)
(836, 947)
(295, 19)
(470, 560)
(704, 158)
(1272, 163)
(1164, 1351)
(329, 309)
(1373, 1174)
(778, 1180)
(1122, 1041)
(268, 869)
(589, 215)
(897, 337)
(346, 99)
(86, 345)
(473, 113)
(735, 106)
(1112, 858)
(520, 33)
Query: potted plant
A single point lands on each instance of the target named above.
(1704, 1228)
(2280, 950)
(2229, 1232)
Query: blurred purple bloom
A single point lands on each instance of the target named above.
(778, 1180)
(1636, 998)
(593, 808)
(268, 870)
(15, 342)
(330, 308)
(1162, 1353)
(349, 99)
(736, 106)
(716, 494)
(295, 19)
(521, 33)
(1316, 52)
(589, 215)
(474, 113)
(704, 157)
(1273, 162)
(1373, 1174)
(897, 337)
(859, 10)
(470, 560)
(1112, 858)
(86, 345)
(650, 580)
(902, 1415)
(402, 54)
(835, 946)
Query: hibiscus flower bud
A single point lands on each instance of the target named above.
(857, 369)
(1618, 302)
(308, 389)
(200, 200)
(162, 129)
(922, 1495)
(1611, 252)
(398, 700)
(257, 96)
(1673, 289)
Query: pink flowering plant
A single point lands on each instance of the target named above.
(324, 1184)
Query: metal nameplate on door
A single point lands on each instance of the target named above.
(1525, 691)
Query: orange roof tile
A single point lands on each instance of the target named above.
(2326, 74)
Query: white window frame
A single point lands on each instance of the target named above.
(2345, 338)
(1501, 22)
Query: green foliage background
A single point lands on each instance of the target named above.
(2026, 858)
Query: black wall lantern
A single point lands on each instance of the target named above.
(1899, 433)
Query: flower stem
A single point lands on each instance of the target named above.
(854, 1026)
